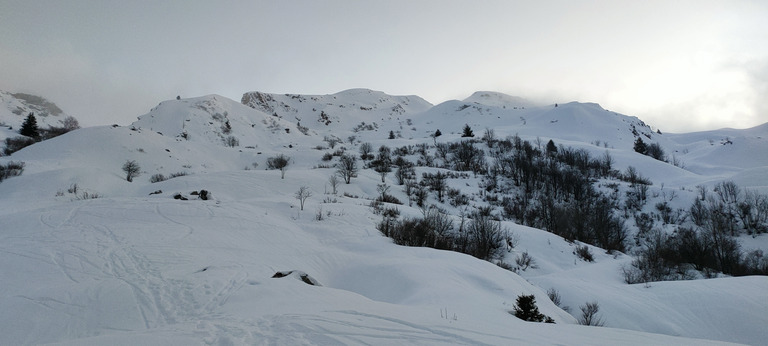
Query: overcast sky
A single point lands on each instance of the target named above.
(680, 66)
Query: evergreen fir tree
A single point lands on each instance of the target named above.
(551, 147)
(640, 146)
(29, 127)
(527, 310)
(467, 131)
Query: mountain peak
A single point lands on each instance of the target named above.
(497, 99)
(352, 101)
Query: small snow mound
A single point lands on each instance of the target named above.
(299, 275)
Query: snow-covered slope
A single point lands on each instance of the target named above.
(150, 268)
(136, 266)
(349, 111)
(577, 122)
(14, 108)
(492, 98)
(740, 155)
(212, 119)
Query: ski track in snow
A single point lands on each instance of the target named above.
(158, 300)
(158, 211)
(233, 285)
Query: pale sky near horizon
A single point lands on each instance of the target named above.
(680, 66)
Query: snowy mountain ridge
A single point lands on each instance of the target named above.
(15, 107)
(90, 258)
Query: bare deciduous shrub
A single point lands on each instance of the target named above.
(554, 296)
(583, 252)
(525, 261)
(486, 237)
(70, 123)
(87, 195)
(11, 169)
(15, 144)
(231, 141)
(156, 178)
(178, 174)
(589, 315)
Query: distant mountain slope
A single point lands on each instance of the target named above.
(724, 148)
(14, 108)
(354, 102)
(344, 112)
(577, 122)
(497, 99)
(274, 121)
(215, 119)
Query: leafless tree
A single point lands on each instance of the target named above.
(302, 194)
(347, 167)
(334, 181)
(365, 151)
(70, 123)
(280, 162)
(131, 169)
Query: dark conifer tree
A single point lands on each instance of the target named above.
(640, 146)
(527, 310)
(467, 131)
(551, 147)
(29, 127)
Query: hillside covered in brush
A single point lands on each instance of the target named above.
(366, 218)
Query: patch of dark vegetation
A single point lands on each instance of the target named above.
(14, 144)
(526, 310)
(11, 169)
